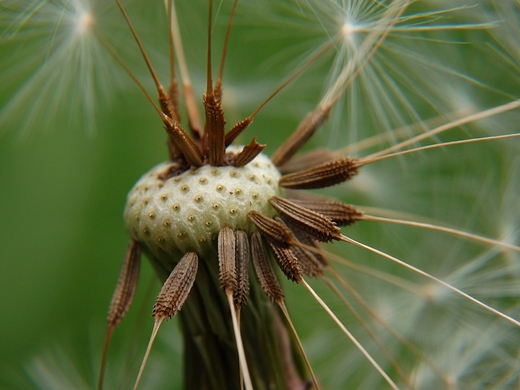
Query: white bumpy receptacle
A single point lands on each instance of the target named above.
(185, 212)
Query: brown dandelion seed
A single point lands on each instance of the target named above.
(311, 243)
(226, 258)
(214, 129)
(170, 300)
(126, 284)
(237, 129)
(263, 269)
(242, 255)
(309, 263)
(177, 287)
(274, 231)
(249, 153)
(310, 222)
(287, 261)
(122, 297)
(303, 133)
(340, 213)
(183, 142)
(321, 176)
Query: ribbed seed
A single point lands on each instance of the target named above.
(249, 153)
(312, 223)
(264, 270)
(183, 142)
(312, 262)
(166, 104)
(226, 259)
(274, 231)
(126, 284)
(323, 175)
(310, 242)
(305, 130)
(340, 213)
(241, 268)
(236, 130)
(309, 264)
(214, 129)
(287, 262)
(177, 287)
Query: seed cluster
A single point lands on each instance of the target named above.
(185, 213)
(222, 208)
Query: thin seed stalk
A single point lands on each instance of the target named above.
(210, 358)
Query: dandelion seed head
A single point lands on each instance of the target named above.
(410, 76)
(433, 292)
(85, 23)
(349, 30)
(56, 44)
(77, 16)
